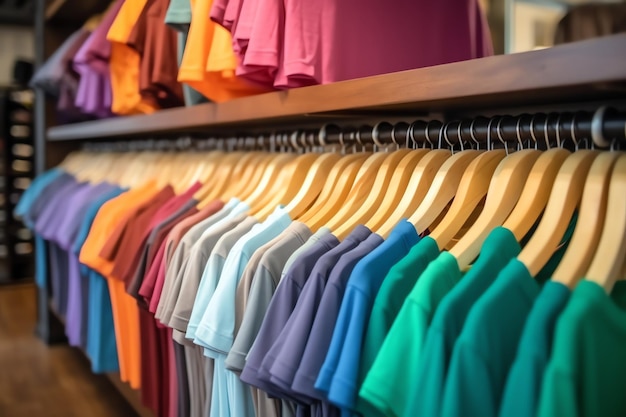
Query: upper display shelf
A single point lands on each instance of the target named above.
(590, 70)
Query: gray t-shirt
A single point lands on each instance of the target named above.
(173, 277)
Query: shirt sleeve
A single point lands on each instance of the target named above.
(559, 396)
(405, 341)
(467, 391)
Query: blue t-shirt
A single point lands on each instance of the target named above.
(284, 357)
(342, 360)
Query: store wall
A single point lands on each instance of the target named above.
(15, 42)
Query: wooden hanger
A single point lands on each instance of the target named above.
(235, 180)
(610, 255)
(472, 189)
(423, 176)
(361, 186)
(564, 198)
(251, 177)
(442, 189)
(360, 208)
(536, 192)
(396, 189)
(313, 184)
(305, 168)
(269, 179)
(504, 191)
(221, 179)
(337, 184)
(591, 217)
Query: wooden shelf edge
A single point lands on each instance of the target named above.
(564, 72)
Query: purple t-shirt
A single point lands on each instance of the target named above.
(282, 360)
(41, 201)
(50, 75)
(279, 310)
(94, 94)
(48, 219)
(327, 312)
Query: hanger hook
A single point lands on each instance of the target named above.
(499, 133)
(458, 132)
(376, 137)
(489, 140)
(597, 123)
(532, 131)
(545, 132)
(559, 143)
(427, 136)
(518, 133)
(472, 135)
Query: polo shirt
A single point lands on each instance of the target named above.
(78, 290)
(217, 324)
(405, 339)
(477, 357)
(172, 286)
(326, 316)
(285, 354)
(586, 367)
(342, 360)
(399, 281)
(448, 320)
(523, 384)
(280, 308)
(212, 271)
(323, 231)
(192, 269)
(481, 357)
(255, 300)
(174, 238)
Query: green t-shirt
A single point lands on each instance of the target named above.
(390, 383)
(486, 347)
(498, 249)
(586, 373)
(397, 284)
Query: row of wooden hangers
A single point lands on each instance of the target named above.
(458, 196)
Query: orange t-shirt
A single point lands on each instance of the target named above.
(125, 62)
(125, 310)
(209, 63)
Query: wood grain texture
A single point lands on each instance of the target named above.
(37, 380)
(564, 73)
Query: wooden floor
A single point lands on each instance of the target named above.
(37, 380)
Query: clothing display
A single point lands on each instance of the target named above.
(264, 284)
(140, 56)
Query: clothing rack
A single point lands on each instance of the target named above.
(551, 92)
(601, 129)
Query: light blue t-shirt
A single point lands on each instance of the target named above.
(201, 302)
(339, 374)
(231, 397)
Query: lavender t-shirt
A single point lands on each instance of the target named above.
(282, 360)
(280, 309)
(327, 312)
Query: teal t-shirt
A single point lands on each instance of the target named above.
(523, 385)
(587, 369)
(486, 347)
(393, 291)
(390, 382)
(497, 250)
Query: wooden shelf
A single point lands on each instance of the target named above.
(589, 70)
(73, 11)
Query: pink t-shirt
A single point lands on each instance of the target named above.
(327, 41)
